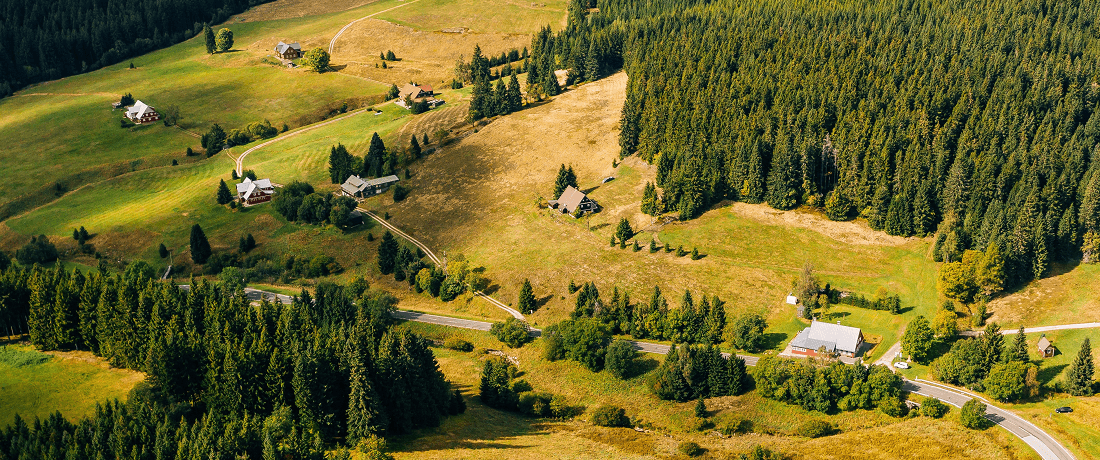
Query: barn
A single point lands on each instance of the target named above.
(288, 50)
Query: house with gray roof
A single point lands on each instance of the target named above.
(288, 50)
(356, 187)
(571, 200)
(842, 340)
(141, 112)
(251, 192)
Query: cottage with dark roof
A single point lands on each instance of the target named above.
(251, 192)
(356, 187)
(141, 112)
(288, 50)
(842, 340)
(571, 200)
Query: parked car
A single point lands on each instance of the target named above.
(901, 365)
(1063, 410)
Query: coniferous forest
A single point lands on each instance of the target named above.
(971, 120)
(41, 41)
(225, 379)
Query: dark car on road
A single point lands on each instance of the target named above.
(1063, 410)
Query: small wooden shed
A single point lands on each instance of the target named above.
(1046, 349)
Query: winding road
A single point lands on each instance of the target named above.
(332, 43)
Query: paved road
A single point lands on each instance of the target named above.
(332, 43)
(1047, 447)
(1029, 330)
(887, 358)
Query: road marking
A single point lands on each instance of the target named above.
(1041, 448)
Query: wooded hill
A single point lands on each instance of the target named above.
(41, 41)
(970, 119)
(226, 379)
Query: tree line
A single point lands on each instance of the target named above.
(46, 41)
(919, 116)
(226, 379)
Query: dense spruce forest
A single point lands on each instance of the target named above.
(41, 41)
(225, 379)
(973, 120)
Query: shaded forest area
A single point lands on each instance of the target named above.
(971, 120)
(42, 41)
(225, 378)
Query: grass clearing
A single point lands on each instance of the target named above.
(1066, 296)
(483, 16)
(1076, 430)
(37, 384)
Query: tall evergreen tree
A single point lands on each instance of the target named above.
(649, 200)
(373, 161)
(208, 37)
(566, 177)
(513, 96)
(1079, 380)
(387, 253)
(414, 148)
(1019, 347)
(526, 297)
(200, 247)
(224, 196)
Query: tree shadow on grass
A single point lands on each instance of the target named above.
(641, 365)
(600, 226)
(480, 427)
(492, 289)
(1048, 374)
(773, 340)
(542, 301)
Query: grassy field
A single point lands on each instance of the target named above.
(37, 384)
(1077, 430)
(484, 433)
(1065, 296)
(485, 16)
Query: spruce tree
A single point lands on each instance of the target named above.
(624, 231)
(224, 196)
(200, 247)
(162, 251)
(387, 253)
(372, 162)
(208, 35)
(526, 297)
(1079, 379)
(649, 199)
(513, 97)
(414, 148)
(1019, 347)
(993, 346)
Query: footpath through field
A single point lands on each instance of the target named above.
(332, 43)
(1029, 330)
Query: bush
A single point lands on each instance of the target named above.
(534, 404)
(457, 344)
(619, 358)
(932, 407)
(512, 332)
(690, 449)
(610, 416)
(973, 415)
(39, 250)
(733, 427)
(815, 429)
(400, 192)
(760, 453)
(560, 407)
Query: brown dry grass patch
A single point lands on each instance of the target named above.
(426, 57)
(286, 9)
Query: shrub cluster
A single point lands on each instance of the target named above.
(695, 371)
(826, 388)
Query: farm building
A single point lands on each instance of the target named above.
(356, 187)
(1046, 349)
(141, 112)
(288, 50)
(255, 191)
(571, 200)
(416, 92)
(843, 340)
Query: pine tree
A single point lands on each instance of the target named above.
(162, 251)
(339, 164)
(1079, 379)
(365, 414)
(526, 297)
(250, 242)
(200, 247)
(513, 97)
(387, 253)
(649, 199)
(624, 231)
(566, 178)
(208, 35)
(993, 346)
(372, 162)
(414, 148)
(1019, 347)
(224, 196)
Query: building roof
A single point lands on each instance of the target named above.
(831, 336)
(427, 88)
(411, 90)
(282, 47)
(138, 110)
(1044, 343)
(570, 199)
(382, 181)
(246, 188)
